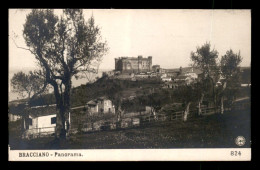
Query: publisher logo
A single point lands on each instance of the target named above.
(240, 141)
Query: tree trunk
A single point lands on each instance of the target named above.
(222, 105)
(200, 102)
(154, 114)
(63, 104)
(60, 124)
(222, 98)
(186, 112)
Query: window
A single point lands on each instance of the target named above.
(53, 120)
(30, 121)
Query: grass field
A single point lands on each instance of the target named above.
(202, 132)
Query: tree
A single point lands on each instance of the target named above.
(64, 47)
(205, 59)
(187, 95)
(230, 72)
(29, 85)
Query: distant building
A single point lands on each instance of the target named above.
(100, 105)
(165, 79)
(192, 75)
(156, 68)
(14, 117)
(183, 79)
(133, 64)
(15, 112)
(172, 73)
(163, 75)
(109, 73)
(162, 70)
(142, 76)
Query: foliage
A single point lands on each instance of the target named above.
(229, 64)
(64, 47)
(231, 72)
(29, 84)
(230, 68)
(205, 59)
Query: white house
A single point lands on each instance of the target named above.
(41, 121)
(101, 105)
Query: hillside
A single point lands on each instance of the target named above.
(113, 87)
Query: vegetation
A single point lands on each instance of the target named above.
(206, 60)
(64, 47)
(133, 96)
(231, 72)
(28, 85)
(228, 68)
(214, 131)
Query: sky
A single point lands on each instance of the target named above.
(168, 36)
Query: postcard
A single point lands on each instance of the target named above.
(129, 85)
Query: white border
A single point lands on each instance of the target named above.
(135, 155)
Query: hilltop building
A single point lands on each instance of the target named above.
(133, 64)
(156, 68)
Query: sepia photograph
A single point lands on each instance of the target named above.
(129, 84)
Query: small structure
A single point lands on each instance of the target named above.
(15, 111)
(166, 79)
(246, 85)
(163, 75)
(41, 121)
(183, 79)
(191, 75)
(109, 73)
(156, 68)
(142, 76)
(100, 105)
(12, 117)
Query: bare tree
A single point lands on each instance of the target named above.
(64, 47)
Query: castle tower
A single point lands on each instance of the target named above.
(140, 57)
(116, 63)
(150, 62)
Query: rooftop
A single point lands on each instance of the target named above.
(43, 111)
(133, 58)
(95, 101)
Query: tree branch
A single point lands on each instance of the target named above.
(23, 47)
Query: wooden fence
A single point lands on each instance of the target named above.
(128, 122)
(38, 132)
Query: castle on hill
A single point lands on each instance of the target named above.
(133, 64)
